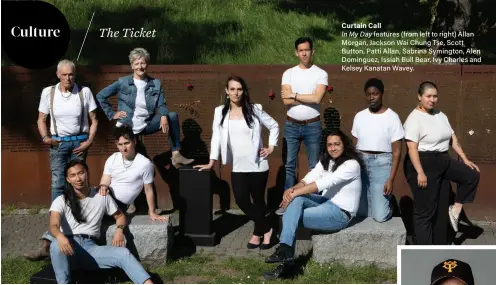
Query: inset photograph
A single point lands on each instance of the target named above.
(471, 265)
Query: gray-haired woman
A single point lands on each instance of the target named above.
(138, 95)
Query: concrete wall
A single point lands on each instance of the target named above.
(466, 96)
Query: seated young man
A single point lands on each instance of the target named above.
(75, 222)
(337, 180)
(127, 172)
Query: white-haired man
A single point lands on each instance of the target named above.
(71, 108)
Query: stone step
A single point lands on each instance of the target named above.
(147, 240)
(364, 242)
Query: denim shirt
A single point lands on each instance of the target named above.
(126, 98)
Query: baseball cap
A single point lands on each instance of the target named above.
(452, 268)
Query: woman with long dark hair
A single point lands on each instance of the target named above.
(326, 199)
(237, 136)
(428, 164)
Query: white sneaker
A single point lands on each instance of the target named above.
(280, 211)
(453, 218)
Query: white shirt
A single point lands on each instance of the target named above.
(93, 207)
(220, 134)
(140, 111)
(304, 81)
(241, 148)
(343, 186)
(430, 132)
(128, 177)
(376, 132)
(67, 109)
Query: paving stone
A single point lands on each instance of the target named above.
(366, 242)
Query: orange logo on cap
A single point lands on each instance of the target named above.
(449, 265)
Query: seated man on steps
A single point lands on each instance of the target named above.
(127, 172)
(75, 222)
(337, 180)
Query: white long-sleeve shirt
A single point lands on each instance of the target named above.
(343, 186)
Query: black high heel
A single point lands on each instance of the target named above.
(253, 246)
(273, 241)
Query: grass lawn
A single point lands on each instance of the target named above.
(224, 31)
(202, 268)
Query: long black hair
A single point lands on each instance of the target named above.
(246, 104)
(70, 196)
(349, 151)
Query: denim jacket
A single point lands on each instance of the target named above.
(126, 98)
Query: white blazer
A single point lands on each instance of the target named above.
(220, 134)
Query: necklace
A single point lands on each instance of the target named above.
(65, 97)
(128, 164)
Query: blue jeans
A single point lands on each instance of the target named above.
(88, 255)
(316, 212)
(174, 130)
(59, 156)
(311, 135)
(373, 202)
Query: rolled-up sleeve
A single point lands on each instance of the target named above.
(346, 172)
(314, 174)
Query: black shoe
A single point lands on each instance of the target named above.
(281, 255)
(281, 271)
(252, 245)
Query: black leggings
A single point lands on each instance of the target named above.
(431, 204)
(246, 184)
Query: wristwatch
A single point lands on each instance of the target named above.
(121, 227)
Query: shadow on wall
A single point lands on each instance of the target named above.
(332, 121)
(192, 146)
(19, 110)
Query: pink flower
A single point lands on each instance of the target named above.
(330, 88)
(190, 86)
(272, 95)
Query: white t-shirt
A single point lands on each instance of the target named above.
(304, 81)
(128, 177)
(93, 208)
(376, 132)
(343, 186)
(140, 111)
(67, 109)
(241, 147)
(430, 132)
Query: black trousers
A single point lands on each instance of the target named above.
(431, 204)
(246, 184)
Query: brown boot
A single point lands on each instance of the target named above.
(37, 254)
(178, 160)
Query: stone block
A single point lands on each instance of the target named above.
(362, 243)
(146, 239)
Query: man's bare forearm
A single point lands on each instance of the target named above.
(42, 127)
(93, 127)
(150, 199)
